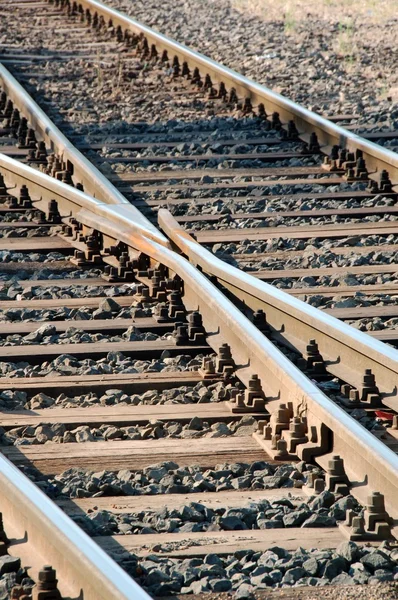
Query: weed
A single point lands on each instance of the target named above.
(346, 46)
(100, 76)
(119, 73)
(289, 23)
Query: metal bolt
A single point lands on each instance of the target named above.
(319, 485)
(358, 525)
(46, 587)
(281, 447)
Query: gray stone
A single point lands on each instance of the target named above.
(275, 576)
(259, 570)
(113, 433)
(334, 567)
(102, 314)
(382, 575)
(270, 524)
(211, 571)
(268, 559)
(307, 581)
(41, 400)
(131, 335)
(9, 564)
(83, 434)
(311, 566)
(213, 559)
(38, 335)
(246, 514)
(343, 579)
(124, 475)
(8, 580)
(219, 430)
(190, 512)
(188, 572)
(244, 592)
(249, 565)
(286, 469)
(44, 433)
(261, 581)
(68, 437)
(339, 508)
(239, 578)
(190, 528)
(319, 521)
(279, 552)
(359, 576)
(376, 560)
(348, 550)
(109, 305)
(240, 483)
(324, 500)
(196, 424)
(274, 481)
(295, 518)
(156, 576)
(293, 575)
(232, 524)
(155, 473)
(220, 585)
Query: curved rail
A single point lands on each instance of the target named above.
(346, 351)
(94, 182)
(70, 201)
(251, 350)
(329, 134)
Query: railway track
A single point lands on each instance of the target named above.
(289, 415)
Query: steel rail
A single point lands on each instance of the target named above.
(70, 200)
(252, 352)
(83, 568)
(94, 182)
(377, 158)
(346, 351)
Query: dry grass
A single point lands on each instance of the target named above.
(295, 11)
(355, 20)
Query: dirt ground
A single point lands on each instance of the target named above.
(387, 591)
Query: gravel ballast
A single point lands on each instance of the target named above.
(170, 478)
(73, 335)
(114, 362)
(153, 430)
(201, 393)
(246, 571)
(197, 517)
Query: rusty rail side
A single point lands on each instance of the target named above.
(252, 352)
(84, 172)
(306, 121)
